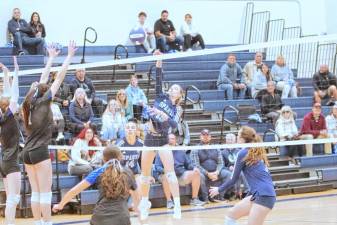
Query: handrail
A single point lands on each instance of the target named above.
(115, 58)
(318, 51)
(149, 78)
(189, 99)
(87, 40)
(227, 120)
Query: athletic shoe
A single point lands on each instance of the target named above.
(21, 53)
(60, 136)
(177, 212)
(197, 202)
(144, 210)
(170, 204)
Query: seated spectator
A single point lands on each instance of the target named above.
(331, 123)
(191, 34)
(231, 79)
(182, 130)
(251, 68)
(284, 78)
(313, 127)
(59, 123)
(80, 160)
(166, 35)
(142, 34)
(125, 104)
(271, 103)
(21, 32)
(80, 112)
(37, 26)
(210, 164)
(81, 81)
(287, 130)
(186, 174)
(112, 123)
(325, 85)
(136, 96)
(229, 157)
(63, 96)
(259, 83)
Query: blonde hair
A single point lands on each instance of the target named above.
(112, 101)
(255, 154)
(180, 99)
(122, 104)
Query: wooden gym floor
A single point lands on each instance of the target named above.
(305, 209)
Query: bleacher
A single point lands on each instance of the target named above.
(202, 72)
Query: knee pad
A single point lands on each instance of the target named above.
(45, 198)
(171, 177)
(35, 197)
(12, 200)
(145, 179)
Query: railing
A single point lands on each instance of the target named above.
(223, 120)
(116, 57)
(149, 78)
(189, 99)
(306, 59)
(275, 30)
(87, 40)
(259, 28)
(326, 54)
(335, 65)
(248, 22)
(291, 52)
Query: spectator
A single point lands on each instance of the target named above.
(37, 27)
(284, 78)
(251, 68)
(210, 163)
(191, 34)
(21, 32)
(325, 85)
(182, 130)
(136, 95)
(259, 83)
(331, 123)
(229, 156)
(142, 34)
(81, 81)
(58, 119)
(166, 35)
(112, 123)
(231, 78)
(63, 96)
(79, 163)
(186, 174)
(80, 112)
(287, 130)
(314, 127)
(271, 103)
(125, 104)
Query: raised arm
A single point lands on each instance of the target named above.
(53, 53)
(13, 106)
(61, 74)
(159, 75)
(7, 85)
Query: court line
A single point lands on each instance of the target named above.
(211, 208)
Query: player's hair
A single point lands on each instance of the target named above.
(112, 152)
(255, 154)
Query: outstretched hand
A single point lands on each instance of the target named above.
(72, 48)
(159, 62)
(52, 51)
(16, 65)
(57, 208)
(3, 67)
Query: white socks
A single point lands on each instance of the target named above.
(230, 221)
(144, 207)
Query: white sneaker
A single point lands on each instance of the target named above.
(144, 210)
(177, 212)
(60, 136)
(150, 51)
(189, 50)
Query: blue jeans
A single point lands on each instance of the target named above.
(164, 45)
(228, 88)
(23, 40)
(111, 133)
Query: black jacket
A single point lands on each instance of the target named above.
(22, 24)
(323, 81)
(271, 103)
(86, 85)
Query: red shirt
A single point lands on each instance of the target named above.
(312, 126)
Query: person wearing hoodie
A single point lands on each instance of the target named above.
(231, 79)
(314, 127)
(284, 78)
(136, 95)
(325, 84)
(287, 130)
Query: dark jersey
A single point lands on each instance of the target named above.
(130, 158)
(9, 136)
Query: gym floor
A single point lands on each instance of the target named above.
(305, 209)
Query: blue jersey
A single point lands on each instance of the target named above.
(257, 176)
(92, 178)
(164, 104)
(130, 158)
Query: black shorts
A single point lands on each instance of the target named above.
(36, 156)
(8, 167)
(266, 201)
(155, 141)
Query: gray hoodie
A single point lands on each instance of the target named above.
(230, 74)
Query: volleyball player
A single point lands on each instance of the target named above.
(38, 121)
(261, 198)
(161, 119)
(115, 184)
(9, 138)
